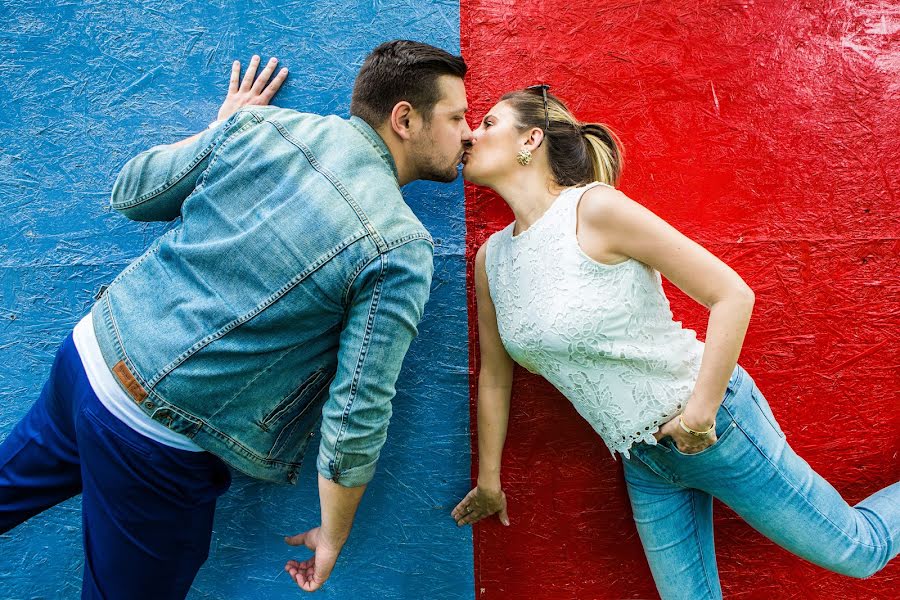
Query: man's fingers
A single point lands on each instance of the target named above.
(264, 76)
(464, 510)
(308, 582)
(301, 539)
(235, 76)
(304, 575)
(291, 565)
(250, 75)
(305, 578)
(267, 94)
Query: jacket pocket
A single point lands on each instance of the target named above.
(307, 390)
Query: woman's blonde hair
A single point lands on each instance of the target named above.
(579, 153)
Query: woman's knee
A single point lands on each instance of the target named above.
(860, 567)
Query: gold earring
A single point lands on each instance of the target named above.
(524, 157)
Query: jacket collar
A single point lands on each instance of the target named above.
(376, 141)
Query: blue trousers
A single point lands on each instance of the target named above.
(752, 469)
(147, 508)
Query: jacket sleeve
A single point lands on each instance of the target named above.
(385, 303)
(153, 185)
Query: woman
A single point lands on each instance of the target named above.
(571, 290)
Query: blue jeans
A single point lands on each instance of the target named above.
(752, 469)
(147, 509)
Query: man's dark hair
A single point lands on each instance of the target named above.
(401, 70)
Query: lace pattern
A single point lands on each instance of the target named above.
(603, 335)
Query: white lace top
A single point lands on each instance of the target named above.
(603, 335)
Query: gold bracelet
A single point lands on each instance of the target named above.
(695, 433)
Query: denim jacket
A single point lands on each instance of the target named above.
(290, 290)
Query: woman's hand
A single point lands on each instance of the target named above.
(259, 92)
(685, 442)
(481, 503)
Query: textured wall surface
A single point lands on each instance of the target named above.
(767, 131)
(86, 85)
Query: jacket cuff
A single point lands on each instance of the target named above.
(352, 477)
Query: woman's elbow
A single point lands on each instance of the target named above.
(745, 297)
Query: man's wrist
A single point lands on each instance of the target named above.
(335, 539)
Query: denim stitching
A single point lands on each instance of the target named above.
(392, 246)
(370, 323)
(803, 496)
(221, 138)
(346, 293)
(335, 182)
(274, 297)
(693, 494)
(288, 431)
(126, 358)
(166, 186)
(289, 401)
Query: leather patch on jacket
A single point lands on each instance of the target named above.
(129, 382)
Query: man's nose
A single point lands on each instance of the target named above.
(467, 134)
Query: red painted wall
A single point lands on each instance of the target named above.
(767, 131)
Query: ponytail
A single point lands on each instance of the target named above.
(605, 151)
(578, 153)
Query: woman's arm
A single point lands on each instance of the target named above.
(494, 388)
(613, 227)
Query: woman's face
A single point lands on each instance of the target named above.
(495, 144)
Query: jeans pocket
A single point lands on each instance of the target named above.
(726, 431)
(763, 405)
(102, 427)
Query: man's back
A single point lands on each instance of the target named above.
(228, 328)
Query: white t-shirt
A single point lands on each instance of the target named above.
(114, 398)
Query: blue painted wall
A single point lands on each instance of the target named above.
(85, 86)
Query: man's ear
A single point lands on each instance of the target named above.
(400, 119)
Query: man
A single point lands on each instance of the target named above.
(289, 292)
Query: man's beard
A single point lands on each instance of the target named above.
(434, 173)
(428, 167)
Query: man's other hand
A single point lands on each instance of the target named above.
(312, 573)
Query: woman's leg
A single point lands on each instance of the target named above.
(676, 529)
(755, 472)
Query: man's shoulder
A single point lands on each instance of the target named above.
(290, 115)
